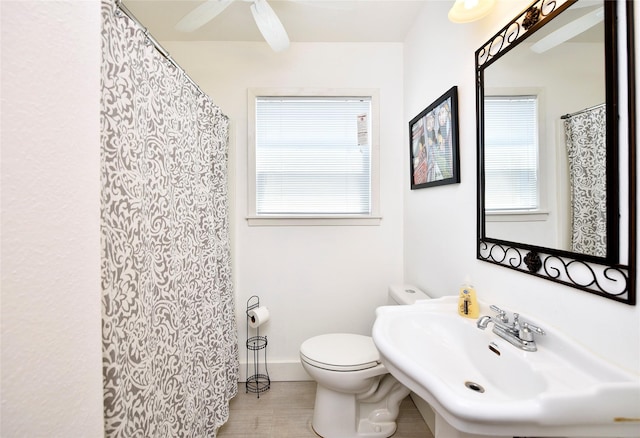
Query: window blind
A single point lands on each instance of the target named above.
(313, 156)
(511, 153)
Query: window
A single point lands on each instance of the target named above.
(511, 153)
(312, 158)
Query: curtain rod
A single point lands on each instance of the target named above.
(566, 116)
(122, 8)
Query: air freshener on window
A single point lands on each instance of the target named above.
(363, 130)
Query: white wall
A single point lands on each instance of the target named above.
(440, 223)
(51, 344)
(314, 280)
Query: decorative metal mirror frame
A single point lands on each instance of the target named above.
(603, 276)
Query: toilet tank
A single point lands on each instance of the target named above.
(403, 294)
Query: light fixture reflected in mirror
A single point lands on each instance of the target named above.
(465, 11)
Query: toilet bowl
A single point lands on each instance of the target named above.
(355, 395)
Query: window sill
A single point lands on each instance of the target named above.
(516, 216)
(260, 221)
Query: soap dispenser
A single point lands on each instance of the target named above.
(468, 302)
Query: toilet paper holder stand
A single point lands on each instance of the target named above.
(258, 381)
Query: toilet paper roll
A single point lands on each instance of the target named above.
(258, 316)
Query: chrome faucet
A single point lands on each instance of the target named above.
(516, 333)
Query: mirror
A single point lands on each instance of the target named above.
(555, 133)
(536, 82)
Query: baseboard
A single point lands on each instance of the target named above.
(285, 371)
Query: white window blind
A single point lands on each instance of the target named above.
(511, 153)
(313, 155)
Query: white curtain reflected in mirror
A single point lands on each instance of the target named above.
(585, 134)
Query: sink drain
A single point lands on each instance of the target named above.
(474, 386)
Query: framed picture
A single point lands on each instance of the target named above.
(434, 146)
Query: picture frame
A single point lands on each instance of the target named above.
(434, 143)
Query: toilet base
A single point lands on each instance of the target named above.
(340, 415)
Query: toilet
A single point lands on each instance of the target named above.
(355, 396)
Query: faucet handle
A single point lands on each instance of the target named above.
(502, 315)
(527, 330)
(534, 328)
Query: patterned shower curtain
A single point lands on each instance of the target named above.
(585, 134)
(169, 335)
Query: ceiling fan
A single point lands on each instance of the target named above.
(266, 19)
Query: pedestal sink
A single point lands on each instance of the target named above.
(481, 384)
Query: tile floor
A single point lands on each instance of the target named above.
(286, 410)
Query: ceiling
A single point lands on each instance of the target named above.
(304, 20)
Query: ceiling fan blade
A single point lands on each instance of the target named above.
(270, 26)
(569, 30)
(202, 15)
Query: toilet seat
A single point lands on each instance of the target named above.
(340, 352)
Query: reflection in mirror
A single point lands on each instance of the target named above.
(530, 182)
(550, 143)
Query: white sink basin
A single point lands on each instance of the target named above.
(480, 383)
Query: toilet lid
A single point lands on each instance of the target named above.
(340, 352)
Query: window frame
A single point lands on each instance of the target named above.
(542, 212)
(254, 219)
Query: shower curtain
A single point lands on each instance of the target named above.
(585, 134)
(169, 335)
